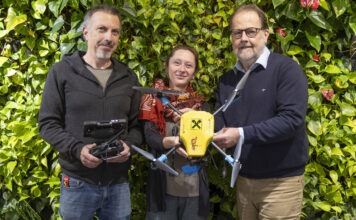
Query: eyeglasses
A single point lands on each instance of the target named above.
(251, 32)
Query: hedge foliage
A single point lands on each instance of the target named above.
(35, 34)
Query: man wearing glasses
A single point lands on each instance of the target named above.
(268, 118)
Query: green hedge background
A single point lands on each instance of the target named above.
(36, 34)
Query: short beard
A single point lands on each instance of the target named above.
(103, 55)
(245, 61)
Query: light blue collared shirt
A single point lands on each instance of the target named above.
(261, 60)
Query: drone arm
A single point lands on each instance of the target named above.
(228, 158)
(165, 101)
(175, 109)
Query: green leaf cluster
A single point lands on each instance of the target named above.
(35, 34)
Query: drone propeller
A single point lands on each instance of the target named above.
(237, 90)
(158, 91)
(159, 164)
(236, 165)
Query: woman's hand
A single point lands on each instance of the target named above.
(172, 141)
(182, 152)
(176, 116)
(169, 142)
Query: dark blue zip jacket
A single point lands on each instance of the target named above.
(271, 111)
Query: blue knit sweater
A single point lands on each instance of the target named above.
(271, 111)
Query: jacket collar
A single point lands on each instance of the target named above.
(76, 62)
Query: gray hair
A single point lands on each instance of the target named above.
(251, 7)
(103, 8)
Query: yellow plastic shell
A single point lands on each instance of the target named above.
(196, 132)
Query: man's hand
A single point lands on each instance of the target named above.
(227, 137)
(124, 155)
(88, 159)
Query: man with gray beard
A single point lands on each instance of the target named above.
(268, 119)
(91, 86)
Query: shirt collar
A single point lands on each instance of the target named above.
(262, 60)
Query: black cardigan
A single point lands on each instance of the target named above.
(156, 186)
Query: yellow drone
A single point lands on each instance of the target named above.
(196, 133)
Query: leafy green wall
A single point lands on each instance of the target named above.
(35, 34)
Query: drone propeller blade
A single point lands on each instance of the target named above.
(149, 156)
(236, 165)
(157, 163)
(237, 90)
(235, 172)
(230, 99)
(157, 91)
(161, 165)
(237, 152)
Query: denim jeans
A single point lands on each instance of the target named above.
(178, 208)
(80, 200)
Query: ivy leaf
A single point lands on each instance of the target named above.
(53, 181)
(347, 109)
(3, 60)
(12, 19)
(324, 5)
(332, 69)
(35, 191)
(64, 4)
(339, 7)
(39, 6)
(225, 206)
(293, 50)
(128, 9)
(11, 166)
(82, 46)
(157, 47)
(75, 20)
(292, 11)
(217, 34)
(315, 100)
(54, 7)
(66, 47)
(84, 2)
(317, 79)
(215, 199)
(341, 81)
(315, 127)
(319, 20)
(352, 24)
(277, 3)
(333, 175)
(30, 42)
(325, 206)
(57, 24)
(336, 209)
(314, 39)
(3, 33)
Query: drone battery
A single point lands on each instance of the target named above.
(196, 132)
